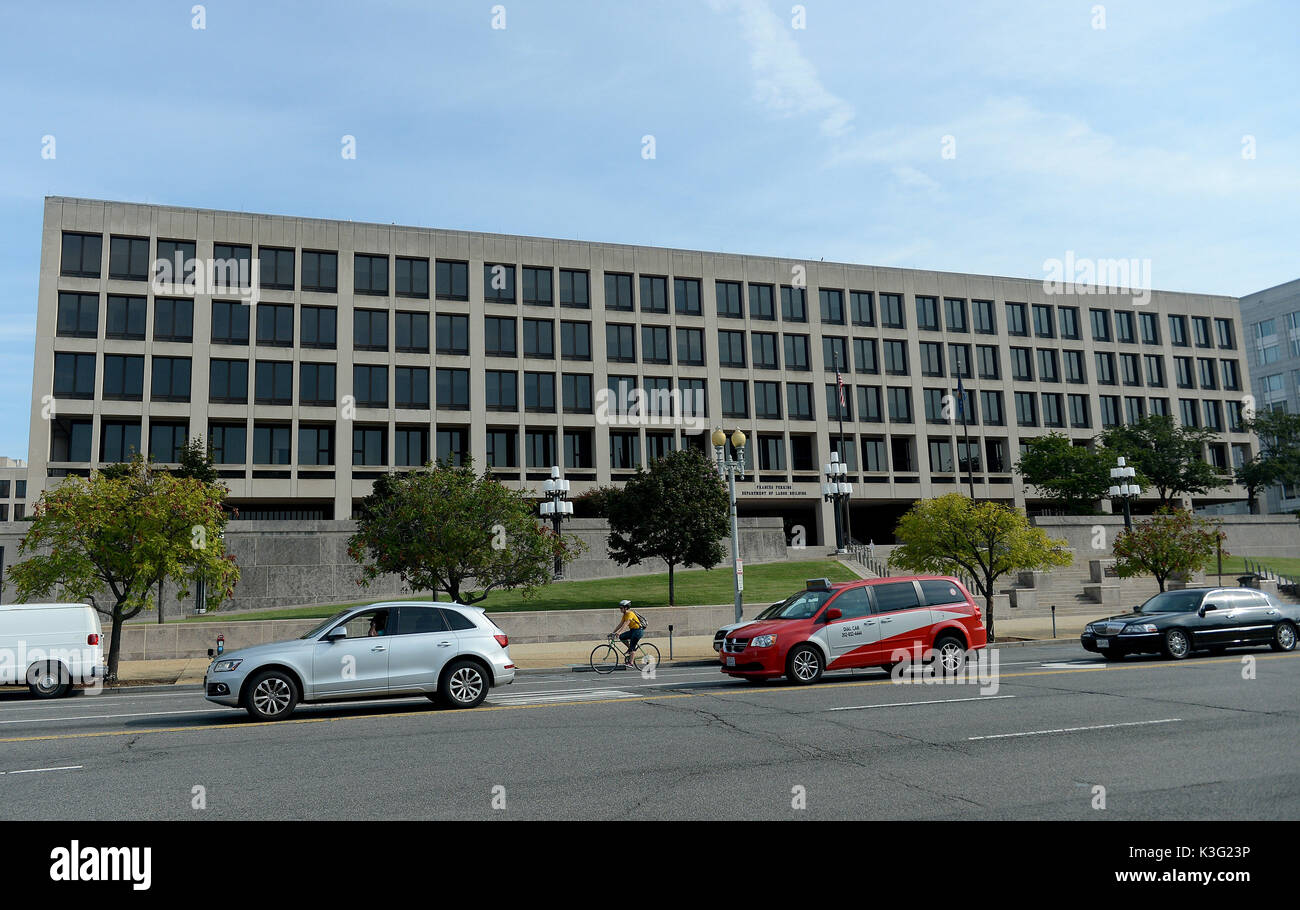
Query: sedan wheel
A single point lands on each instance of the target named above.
(1284, 637)
(271, 696)
(464, 685)
(1177, 645)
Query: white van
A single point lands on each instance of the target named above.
(50, 647)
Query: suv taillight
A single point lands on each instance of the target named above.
(503, 640)
(92, 639)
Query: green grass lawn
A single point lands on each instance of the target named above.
(1236, 565)
(764, 584)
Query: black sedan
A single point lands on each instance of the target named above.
(1176, 623)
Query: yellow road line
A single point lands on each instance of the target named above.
(243, 725)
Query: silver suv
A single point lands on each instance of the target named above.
(449, 653)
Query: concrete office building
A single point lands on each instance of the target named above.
(1272, 329)
(371, 347)
(13, 489)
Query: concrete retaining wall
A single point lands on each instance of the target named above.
(301, 563)
(172, 641)
(1256, 536)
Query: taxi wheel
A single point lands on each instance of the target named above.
(804, 665)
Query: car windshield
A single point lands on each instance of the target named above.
(803, 605)
(316, 630)
(1173, 602)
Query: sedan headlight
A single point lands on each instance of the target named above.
(225, 666)
(762, 641)
(1088, 628)
(1139, 628)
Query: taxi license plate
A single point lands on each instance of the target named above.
(1103, 643)
(731, 661)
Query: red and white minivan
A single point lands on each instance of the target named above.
(857, 624)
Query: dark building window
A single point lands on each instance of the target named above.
(767, 400)
(984, 317)
(370, 275)
(539, 392)
(798, 401)
(620, 342)
(411, 332)
(539, 338)
(453, 334)
(173, 319)
(276, 268)
(82, 255)
(537, 287)
(501, 390)
(1069, 318)
(1016, 319)
(499, 336)
(618, 291)
(175, 261)
(796, 352)
(271, 443)
(690, 347)
(319, 327)
(69, 439)
(124, 377)
(126, 318)
(1044, 324)
(370, 385)
(763, 349)
(502, 448)
(452, 280)
(119, 440)
(320, 271)
(274, 382)
(232, 266)
(891, 311)
(686, 296)
(74, 376)
(411, 385)
(229, 442)
(453, 446)
(735, 399)
(794, 304)
(832, 306)
(954, 313)
(453, 389)
(411, 446)
(78, 315)
(316, 384)
(731, 348)
(227, 381)
(577, 393)
(575, 340)
(927, 313)
(761, 303)
(411, 279)
(498, 283)
(316, 445)
(655, 347)
(654, 294)
(370, 330)
(370, 445)
(165, 441)
(729, 301)
(862, 310)
(275, 325)
(229, 322)
(575, 289)
(128, 258)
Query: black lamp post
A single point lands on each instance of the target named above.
(555, 507)
(836, 490)
(1125, 489)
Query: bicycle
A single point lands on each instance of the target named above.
(609, 657)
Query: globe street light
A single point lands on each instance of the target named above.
(1125, 490)
(836, 490)
(731, 468)
(555, 507)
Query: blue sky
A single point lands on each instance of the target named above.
(825, 141)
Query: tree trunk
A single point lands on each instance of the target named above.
(671, 602)
(115, 646)
(988, 608)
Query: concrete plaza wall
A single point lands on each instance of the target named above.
(1256, 536)
(300, 563)
(171, 641)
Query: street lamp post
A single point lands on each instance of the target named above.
(836, 490)
(1125, 489)
(556, 507)
(731, 468)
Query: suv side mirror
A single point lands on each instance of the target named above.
(833, 614)
(336, 633)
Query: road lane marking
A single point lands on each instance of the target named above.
(1135, 723)
(39, 720)
(525, 698)
(39, 770)
(908, 704)
(1105, 668)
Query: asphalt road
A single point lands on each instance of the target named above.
(1166, 740)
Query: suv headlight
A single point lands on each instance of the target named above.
(224, 666)
(762, 641)
(1138, 628)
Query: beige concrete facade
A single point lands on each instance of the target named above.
(895, 462)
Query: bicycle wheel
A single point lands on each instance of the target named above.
(646, 655)
(605, 658)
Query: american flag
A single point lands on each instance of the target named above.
(961, 400)
(839, 381)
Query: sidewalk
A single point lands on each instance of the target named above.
(550, 655)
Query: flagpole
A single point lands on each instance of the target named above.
(965, 432)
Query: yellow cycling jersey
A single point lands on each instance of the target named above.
(631, 619)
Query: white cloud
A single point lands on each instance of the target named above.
(785, 81)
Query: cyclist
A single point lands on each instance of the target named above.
(632, 636)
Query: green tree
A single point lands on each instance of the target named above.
(1170, 542)
(196, 461)
(953, 535)
(1168, 457)
(442, 528)
(1278, 460)
(111, 540)
(1069, 476)
(675, 510)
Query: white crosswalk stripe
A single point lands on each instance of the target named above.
(538, 698)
